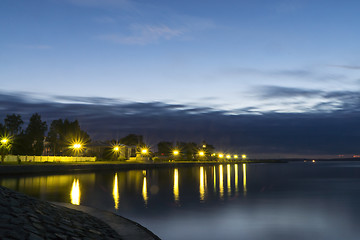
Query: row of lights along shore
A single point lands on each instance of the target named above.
(78, 146)
(176, 153)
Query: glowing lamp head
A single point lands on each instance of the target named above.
(201, 153)
(176, 152)
(116, 148)
(236, 156)
(244, 156)
(77, 146)
(228, 156)
(221, 155)
(4, 141)
(144, 151)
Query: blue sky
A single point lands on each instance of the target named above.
(227, 55)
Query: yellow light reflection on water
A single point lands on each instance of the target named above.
(144, 191)
(116, 191)
(75, 192)
(236, 177)
(221, 181)
(176, 185)
(244, 178)
(214, 179)
(202, 185)
(228, 173)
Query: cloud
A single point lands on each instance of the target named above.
(144, 34)
(268, 133)
(351, 67)
(287, 92)
(303, 74)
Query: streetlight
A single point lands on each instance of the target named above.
(77, 146)
(4, 141)
(228, 156)
(201, 153)
(4, 147)
(244, 156)
(144, 151)
(221, 155)
(176, 152)
(236, 156)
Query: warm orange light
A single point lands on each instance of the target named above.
(144, 151)
(116, 148)
(4, 141)
(228, 156)
(243, 156)
(176, 152)
(201, 153)
(236, 156)
(221, 155)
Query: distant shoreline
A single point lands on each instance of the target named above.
(29, 168)
(46, 168)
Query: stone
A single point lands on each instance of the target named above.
(61, 236)
(33, 236)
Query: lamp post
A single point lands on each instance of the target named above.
(77, 147)
(176, 153)
(116, 150)
(144, 151)
(4, 147)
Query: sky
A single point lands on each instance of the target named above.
(223, 66)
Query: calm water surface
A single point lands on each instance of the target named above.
(227, 201)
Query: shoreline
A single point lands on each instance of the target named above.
(28, 168)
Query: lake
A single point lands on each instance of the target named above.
(296, 200)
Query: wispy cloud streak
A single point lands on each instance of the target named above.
(144, 34)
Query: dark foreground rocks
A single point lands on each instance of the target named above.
(23, 217)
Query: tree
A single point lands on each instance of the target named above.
(188, 149)
(35, 134)
(13, 124)
(56, 135)
(164, 148)
(63, 134)
(132, 140)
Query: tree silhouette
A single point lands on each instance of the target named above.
(35, 134)
(63, 134)
(13, 124)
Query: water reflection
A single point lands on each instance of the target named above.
(244, 178)
(176, 185)
(202, 185)
(214, 179)
(228, 172)
(280, 202)
(236, 178)
(116, 192)
(75, 192)
(144, 191)
(221, 181)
